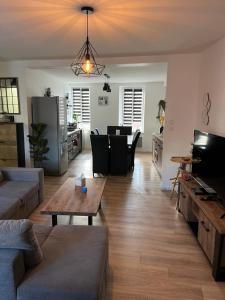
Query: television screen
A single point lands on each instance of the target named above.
(210, 149)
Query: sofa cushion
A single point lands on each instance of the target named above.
(19, 234)
(42, 232)
(1, 176)
(8, 206)
(19, 189)
(75, 259)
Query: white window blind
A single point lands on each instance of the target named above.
(133, 105)
(81, 104)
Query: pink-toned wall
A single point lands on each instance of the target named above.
(212, 81)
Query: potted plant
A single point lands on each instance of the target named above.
(38, 144)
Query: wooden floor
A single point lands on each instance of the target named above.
(153, 255)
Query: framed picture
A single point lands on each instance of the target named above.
(103, 100)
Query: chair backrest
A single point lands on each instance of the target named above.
(96, 130)
(100, 153)
(135, 139)
(124, 130)
(111, 129)
(118, 154)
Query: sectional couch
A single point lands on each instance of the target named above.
(21, 191)
(74, 266)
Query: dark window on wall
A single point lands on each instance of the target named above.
(9, 96)
(81, 104)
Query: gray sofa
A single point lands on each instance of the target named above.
(74, 266)
(20, 192)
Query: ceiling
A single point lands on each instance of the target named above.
(38, 29)
(151, 72)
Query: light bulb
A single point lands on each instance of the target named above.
(87, 66)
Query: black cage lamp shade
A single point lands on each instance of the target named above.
(106, 86)
(85, 63)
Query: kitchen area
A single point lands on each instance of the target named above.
(64, 139)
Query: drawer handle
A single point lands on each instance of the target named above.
(183, 195)
(203, 225)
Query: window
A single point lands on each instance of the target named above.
(81, 105)
(9, 96)
(133, 108)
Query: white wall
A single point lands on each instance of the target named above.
(104, 115)
(181, 110)
(213, 82)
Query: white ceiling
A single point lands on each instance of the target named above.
(56, 29)
(151, 72)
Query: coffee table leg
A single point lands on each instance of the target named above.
(90, 220)
(100, 205)
(54, 220)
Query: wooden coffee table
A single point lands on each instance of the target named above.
(70, 201)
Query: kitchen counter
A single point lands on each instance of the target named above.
(157, 151)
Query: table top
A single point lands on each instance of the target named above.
(184, 159)
(70, 201)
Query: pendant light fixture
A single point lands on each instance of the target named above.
(84, 62)
(106, 86)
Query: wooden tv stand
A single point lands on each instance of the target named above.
(210, 227)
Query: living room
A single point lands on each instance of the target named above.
(152, 252)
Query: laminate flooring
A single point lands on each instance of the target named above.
(153, 254)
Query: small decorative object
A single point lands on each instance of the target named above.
(206, 109)
(161, 114)
(80, 181)
(48, 92)
(103, 100)
(11, 119)
(38, 144)
(106, 86)
(84, 189)
(162, 108)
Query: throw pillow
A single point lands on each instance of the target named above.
(19, 234)
(1, 176)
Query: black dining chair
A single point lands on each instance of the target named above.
(111, 130)
(119, 156)
(133, 147)
(100, 154)
(95, 131)
(125, 130)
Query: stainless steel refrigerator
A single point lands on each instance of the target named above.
(53, 112)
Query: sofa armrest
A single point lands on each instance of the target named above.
(12, 271)
(26, 174)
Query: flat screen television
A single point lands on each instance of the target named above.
(210, 149)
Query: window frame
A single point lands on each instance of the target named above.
(121, 104)
(84, 125)
(7, 100)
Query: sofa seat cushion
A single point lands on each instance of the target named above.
(42, 232)
(19, 189)
(75, 259)
(8, 206)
